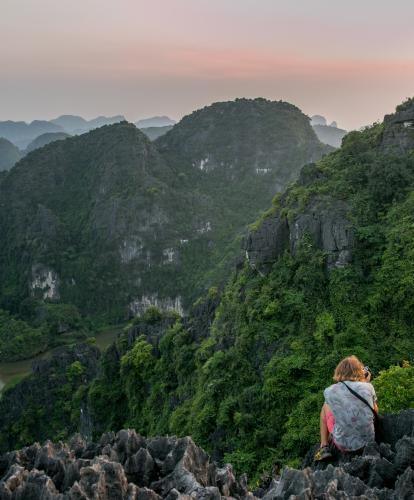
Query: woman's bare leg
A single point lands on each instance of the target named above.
(324, 427)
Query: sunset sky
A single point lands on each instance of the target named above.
(351, 61)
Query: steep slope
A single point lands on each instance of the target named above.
(328, 273)
(239, 153)
(107, 223)
(21, 133)
(44, 139)
(88, 221)
(9, 154)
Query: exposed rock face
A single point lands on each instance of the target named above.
(146, 223)
(327, 225)
(399, 129)
(138, 306)
(128, 466)
(122, 466)
(45, 281)
(382, 472)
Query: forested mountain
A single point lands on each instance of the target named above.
(44, 139)
(155, 121)
(112, 223)
(9, 154)
(328, 272)
(73, 124)
(22, 133)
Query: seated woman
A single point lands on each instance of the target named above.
(346, 421)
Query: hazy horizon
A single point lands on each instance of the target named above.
(351, 63)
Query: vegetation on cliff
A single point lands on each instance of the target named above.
(243, 374)
(112, 223)
(250, 389)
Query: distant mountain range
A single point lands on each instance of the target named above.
(328, 134)
(28, 137)
(154, 132)
(22, 133)
(76, 125)
(155, 121)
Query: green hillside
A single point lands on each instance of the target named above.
(44, 139)
(9, 154)
(112, 223)
(328, 272)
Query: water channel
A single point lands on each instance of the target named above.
(17, 369)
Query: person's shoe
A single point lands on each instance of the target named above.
(323, 454)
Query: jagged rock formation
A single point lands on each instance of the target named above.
(122, 466)
(325, 220)
(128, 466)
(326, 223)
(9, 154)
(322, 217)
(381, 472)
(44, 139)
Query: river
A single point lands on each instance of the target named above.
(18, 369)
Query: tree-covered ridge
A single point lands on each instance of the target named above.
(249, 387)
(244, 372)
(9, 154)
(106, 222)
(44, 139)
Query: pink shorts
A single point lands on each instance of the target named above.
(329, 421)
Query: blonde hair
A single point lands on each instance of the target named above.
(349, 368)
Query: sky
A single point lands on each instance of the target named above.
(351, 61)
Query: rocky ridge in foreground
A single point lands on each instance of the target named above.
(127, 466)
(119, 467)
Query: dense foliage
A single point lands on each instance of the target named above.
(38, 327)
(243, 374)
(109, 222)
(50, 402)
(251, 389)
(395, 388)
